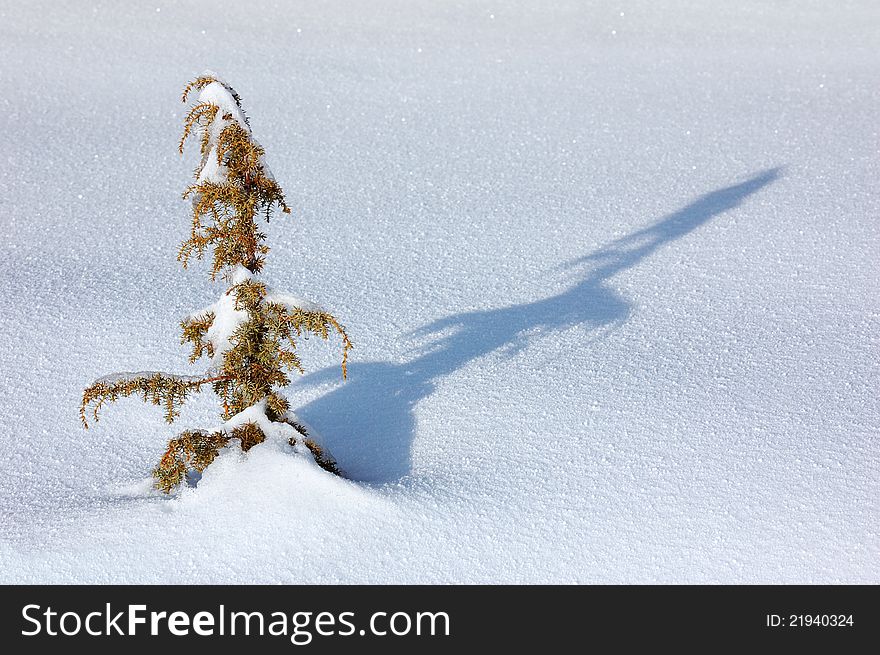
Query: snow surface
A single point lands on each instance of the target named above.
(610, 269)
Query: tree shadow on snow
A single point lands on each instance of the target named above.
(368, 422)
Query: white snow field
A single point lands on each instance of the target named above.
(610, 268)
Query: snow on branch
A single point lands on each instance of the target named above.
(292, 303)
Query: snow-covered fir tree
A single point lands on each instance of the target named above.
(249, 335)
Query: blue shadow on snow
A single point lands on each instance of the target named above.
(368, 422)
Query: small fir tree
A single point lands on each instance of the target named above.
(249, 335)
